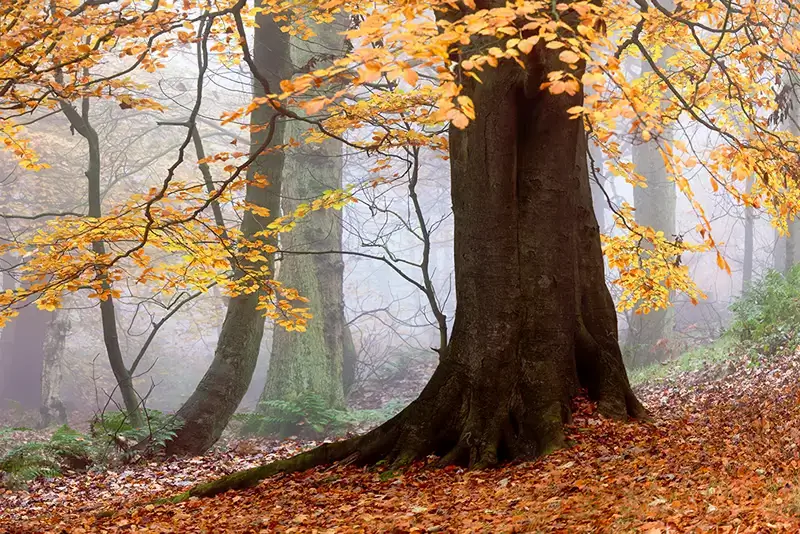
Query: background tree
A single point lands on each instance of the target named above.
(52, 409)
(313, 361)
(208, 410)
(81, 123)
(749, 240)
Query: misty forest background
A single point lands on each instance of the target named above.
(387, 264)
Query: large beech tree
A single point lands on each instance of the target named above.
(534, 320)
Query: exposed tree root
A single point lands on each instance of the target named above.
(449, 421)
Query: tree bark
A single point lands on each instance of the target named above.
(214, 401)
(22, 357)
(655, 207)
(52, 409)
(312, 361)
(749, 223)
(534, 320)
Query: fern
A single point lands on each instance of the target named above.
(66, 449)
(308, 412)
(115, 431)
(112, 439)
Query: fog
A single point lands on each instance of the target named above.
(387, 286)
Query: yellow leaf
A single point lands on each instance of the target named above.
(568, 56)
(410, 76)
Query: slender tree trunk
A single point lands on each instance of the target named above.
(79, 120)
(52, 409)
(312, 361)
(790, 244)
(655, 207)
(749, 223)
(208, 410)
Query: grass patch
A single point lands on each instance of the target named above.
(721, 350)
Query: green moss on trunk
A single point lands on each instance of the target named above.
(311, 362)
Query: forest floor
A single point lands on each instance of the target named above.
(722, 455)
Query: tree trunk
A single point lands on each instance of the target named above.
(749, 223)
(655, 207)
(21, 354)
(598, 185)
(312, 361)
(22, 357)
(534, 320)
(52, 409)
(79, 121)
(214, 401)
(349, 361)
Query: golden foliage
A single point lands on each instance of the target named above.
(402, 81)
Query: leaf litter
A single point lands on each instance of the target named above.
(720, 456)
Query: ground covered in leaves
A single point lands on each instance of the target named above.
(721, 455)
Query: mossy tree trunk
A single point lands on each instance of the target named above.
(52, 409)
(312, 362)
(214, 401)
(534, 320)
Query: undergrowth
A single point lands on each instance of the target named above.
(66, 449)
(112, 440)
(766, 323)
(766, 319)
(308, 416)
(696, 359)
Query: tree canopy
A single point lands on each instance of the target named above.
(730, 74)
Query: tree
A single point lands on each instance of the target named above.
(52, 409)
(313, 361)
(22, 357)
(208, 410)
(504, 383)
(81, 123)
(749, 224)
(655, 208)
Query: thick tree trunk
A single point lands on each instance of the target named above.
(214, 401)
(312, 361)
(534, 319)
(52, 409)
